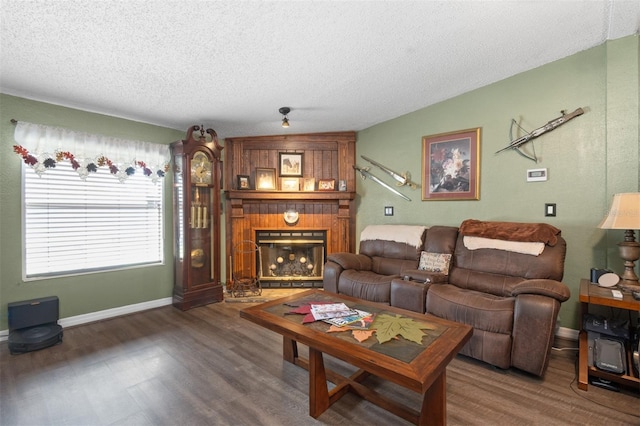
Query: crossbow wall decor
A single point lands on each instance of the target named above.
(551, 125)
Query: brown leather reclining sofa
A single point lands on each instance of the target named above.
(510, 299)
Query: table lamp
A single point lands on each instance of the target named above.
(625, 214)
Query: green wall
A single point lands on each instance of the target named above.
(588, 159)
(79, 294)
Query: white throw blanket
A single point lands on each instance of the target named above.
(408, 234)
(475, 243)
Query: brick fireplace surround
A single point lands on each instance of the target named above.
(248, 211)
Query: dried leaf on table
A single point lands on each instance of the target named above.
(359, 335)
(306, 311)
(335, 329)
(388, 327)
(362, 335)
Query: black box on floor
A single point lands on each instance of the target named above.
(33, 324)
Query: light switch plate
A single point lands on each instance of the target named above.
(388, 211)
(550, 209)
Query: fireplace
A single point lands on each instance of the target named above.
(329, 155)
(291, 258)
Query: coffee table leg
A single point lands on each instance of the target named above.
(289, 350)
(318, 390)
(434, 404)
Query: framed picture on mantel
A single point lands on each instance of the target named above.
(243, 182)
(309, 184)
(265, 179)
(289, 184)
(326, 185)
(290, 164)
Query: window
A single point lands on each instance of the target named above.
(74, 226)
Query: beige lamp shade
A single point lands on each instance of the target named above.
(624, 212)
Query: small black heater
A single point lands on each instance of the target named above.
(33, 324)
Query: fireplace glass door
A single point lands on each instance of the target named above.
(291, 259)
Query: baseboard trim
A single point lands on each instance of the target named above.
(568, 333)
(105, 314)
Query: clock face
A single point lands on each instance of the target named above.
(200, 168)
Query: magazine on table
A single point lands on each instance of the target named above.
(361, 320)
(331, 310)
(363, 323)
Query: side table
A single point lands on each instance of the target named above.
(591, 294)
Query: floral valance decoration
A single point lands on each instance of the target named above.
(42, 147)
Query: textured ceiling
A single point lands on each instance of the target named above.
(339, 65)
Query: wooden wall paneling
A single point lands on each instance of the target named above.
(317, 216)
(326, 172)
(307, 164)
(315, 164)
(346, 161)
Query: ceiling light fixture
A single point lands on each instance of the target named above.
(284, 111)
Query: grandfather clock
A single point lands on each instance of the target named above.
(196, 219)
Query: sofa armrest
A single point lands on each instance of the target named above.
(534, 323)
(544, 287)
(423, 276)
(338, 262)
(359, 262)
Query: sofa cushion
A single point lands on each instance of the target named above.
(499, 272)
(441, 239)
(480, 310)
(366, 285)
(386, 266)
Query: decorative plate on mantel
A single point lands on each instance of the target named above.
(291, 217)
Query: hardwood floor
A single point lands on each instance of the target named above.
(207, 366)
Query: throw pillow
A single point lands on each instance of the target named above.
(435, 262)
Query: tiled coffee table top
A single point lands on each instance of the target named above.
(399, 348)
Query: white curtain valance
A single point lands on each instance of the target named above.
(41, 147)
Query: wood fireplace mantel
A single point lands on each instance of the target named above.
(325, 156)
(281, 195)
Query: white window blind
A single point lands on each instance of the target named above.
(74, 226)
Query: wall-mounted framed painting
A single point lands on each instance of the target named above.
(291, 164)
(451, 166)
(265, 179)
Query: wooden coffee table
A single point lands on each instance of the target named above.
(418, 367)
